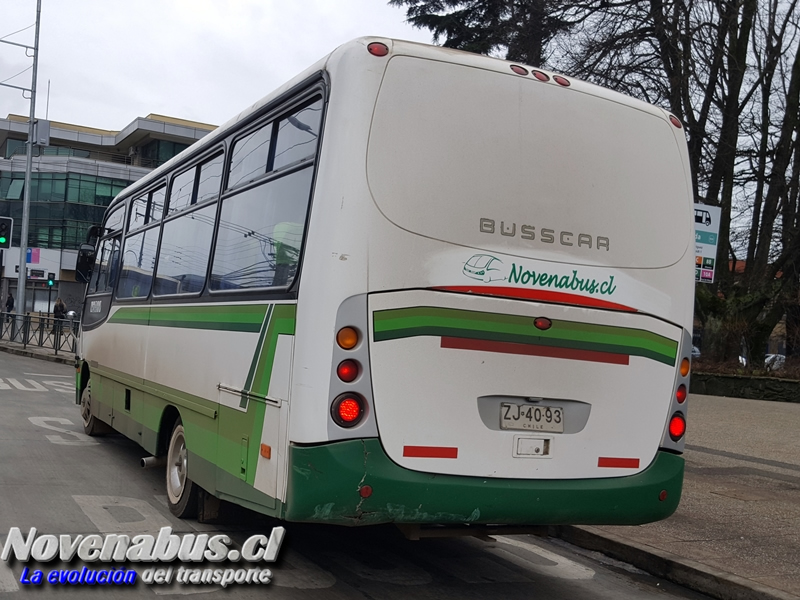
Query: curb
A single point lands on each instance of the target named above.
(66, 360)
(682, 571)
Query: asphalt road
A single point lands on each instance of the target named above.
(54, 478)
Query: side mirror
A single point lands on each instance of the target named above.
(85, 263)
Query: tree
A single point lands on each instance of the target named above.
(519, 31)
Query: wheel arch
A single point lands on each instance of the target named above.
(167, 423)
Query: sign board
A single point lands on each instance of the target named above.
(706, 234)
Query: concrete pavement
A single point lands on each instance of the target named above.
(736, 533)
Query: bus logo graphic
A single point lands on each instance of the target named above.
(484, 267)
(702, 216)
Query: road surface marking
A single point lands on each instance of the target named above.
(563, 568)
(81, 439)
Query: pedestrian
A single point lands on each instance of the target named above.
(59, 313)
(9, 306)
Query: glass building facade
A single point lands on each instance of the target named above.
(63, 206)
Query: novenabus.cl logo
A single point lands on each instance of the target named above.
(484, 267)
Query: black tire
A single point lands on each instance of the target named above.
(91, 424)
(181, 491)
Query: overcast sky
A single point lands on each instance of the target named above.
(110, 61)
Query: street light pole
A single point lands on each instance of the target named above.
(26, 202)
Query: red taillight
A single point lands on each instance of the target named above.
(378, 49)
(347, 370)
(675, 121)
(542, 323)
(677, 427)
(519, 70)
(681, 394)
(347, 410)
(540, 76)
(561, 80)
(365, 491)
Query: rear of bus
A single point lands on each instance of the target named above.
(514, 332)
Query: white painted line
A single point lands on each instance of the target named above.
(48, 375)
(563, 568)
(78, 439)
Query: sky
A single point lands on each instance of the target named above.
(110, 61)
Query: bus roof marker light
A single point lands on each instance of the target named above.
(519, 70)
(378, 49)
(677, 427)
(675, 121)
(663, 495)
(561, 80)
(540, 75)
(347, 338)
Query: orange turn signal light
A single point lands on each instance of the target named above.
(347, 338)
(685, 366)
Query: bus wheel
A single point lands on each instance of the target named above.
(181, 491)
(91, 424)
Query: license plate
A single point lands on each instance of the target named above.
(531, 417)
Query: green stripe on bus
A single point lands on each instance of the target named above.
(433, 321)
(246, 317)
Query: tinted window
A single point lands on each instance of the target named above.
(298, 135)
(138, 260)
(139, 212)
(210, 179)
(106, 268)
(115, 219)
(185, 247)
(249, 157)
(180, 195)
(157, 203)
(261, 233)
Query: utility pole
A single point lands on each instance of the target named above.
(26, 202)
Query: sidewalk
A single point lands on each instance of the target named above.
(736, 533)
(32, 351)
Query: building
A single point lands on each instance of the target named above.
(73, 180)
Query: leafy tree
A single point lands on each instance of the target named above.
(519, 31)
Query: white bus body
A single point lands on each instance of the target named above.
(514, 252)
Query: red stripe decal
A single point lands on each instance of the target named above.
(528, 294)
(534, 350)
(430, 452)
(618, 463)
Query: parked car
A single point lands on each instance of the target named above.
(774, 362)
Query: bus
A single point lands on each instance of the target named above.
(413, 286)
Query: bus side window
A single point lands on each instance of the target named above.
(104, 274)
(298, 135)
(260, 234)
(185, 247)
(249, 156)
(138, 260)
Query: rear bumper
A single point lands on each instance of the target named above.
(324, 484)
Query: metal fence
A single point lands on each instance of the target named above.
(39, 330)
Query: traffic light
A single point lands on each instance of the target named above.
(50, 282)
(6, 224)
